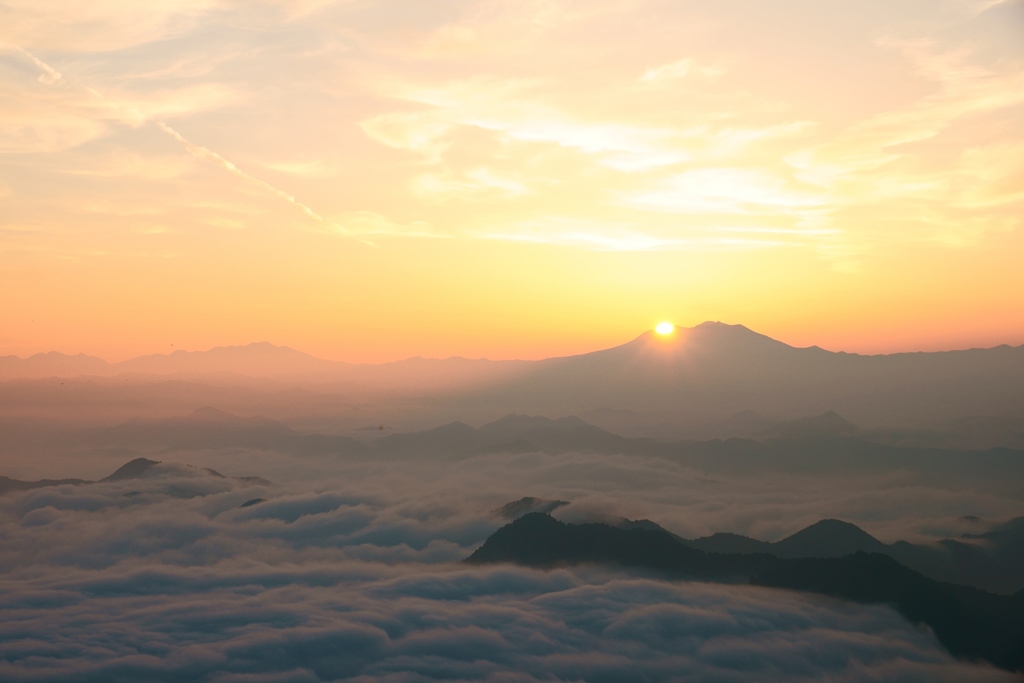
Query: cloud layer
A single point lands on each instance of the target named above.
(357, 577)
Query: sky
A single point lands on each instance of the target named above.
(368, 181)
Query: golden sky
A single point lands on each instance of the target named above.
(368, 180)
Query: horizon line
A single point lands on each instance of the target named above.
(648, 332)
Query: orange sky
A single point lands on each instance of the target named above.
(368, 181)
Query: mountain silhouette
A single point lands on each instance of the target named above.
(997, 566)
(52, 364)
(512, 433)
(256, 360)
(969, 622)
(696, 376)
(827, 538)
(714, 370)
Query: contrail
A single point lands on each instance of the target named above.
(51, 76)
(201, 152)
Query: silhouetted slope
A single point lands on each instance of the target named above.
(714, 370)
(998, 566)
(139, 467)
(705, 373)
(724, 542)
(828, 538)
(1009, 535)
(832, 455)
(970, 623)
(513, 433)
(538, 540)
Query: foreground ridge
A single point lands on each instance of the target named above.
(970, 623)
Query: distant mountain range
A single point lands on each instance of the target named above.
(267, 361)
(811, 446)
(969, 622)
(993, 560)
(709, 372)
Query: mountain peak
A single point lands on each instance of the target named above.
(829, 538)
(133, 469)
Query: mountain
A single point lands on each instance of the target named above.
(809, 455)
(510, 434)
(52, 364)
(993, 561)
(538, 540)
(254, 360)
(711, 371)
(694, 377)
(969, 622)
(827, 538)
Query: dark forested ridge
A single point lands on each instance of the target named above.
(969, 622)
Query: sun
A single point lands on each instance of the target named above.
(665, 328)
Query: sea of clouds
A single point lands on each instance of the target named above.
(351, 571)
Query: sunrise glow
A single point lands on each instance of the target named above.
(508, 179)
(665, 328)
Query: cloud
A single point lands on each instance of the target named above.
(420, 132)
(964, 89)
(475, 183)
(351, 572)
(595, 235)
(679, 69)
(52, 113)
(725, 190)
(205, 154)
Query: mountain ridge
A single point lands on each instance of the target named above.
(736, 334)
(970, 623)
(695, 376)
